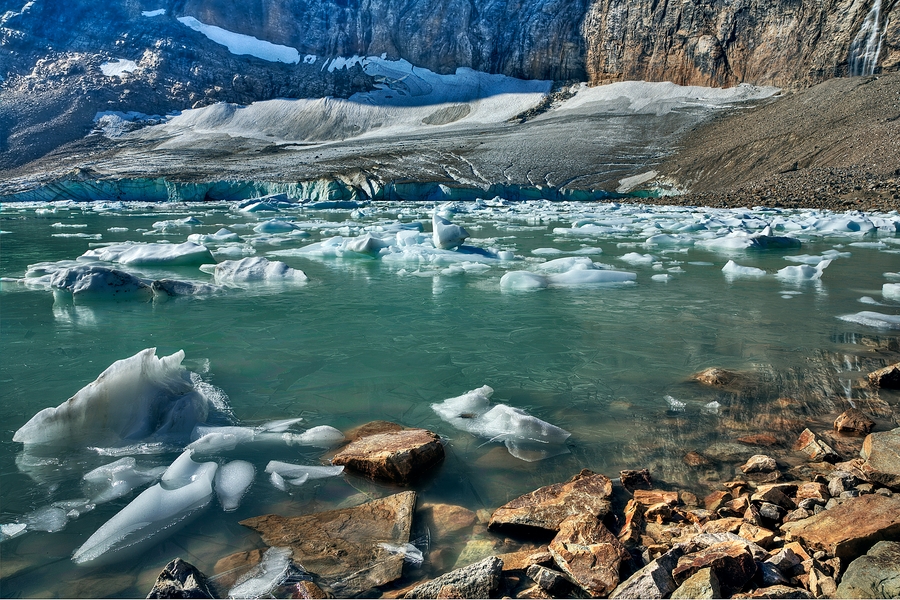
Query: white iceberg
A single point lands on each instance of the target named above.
(447, 235)
(211, 440)
(93, 283)
(118, 479)
(257, 269)
(732, 269)
(323, 436)
(136, 398)
(155, 514)
(232, 482)
(274, 226)
(222, 236)
(526, 437)
(891, 291)
(293, 471)
(803, 272)
(572, 271)
(133, 253)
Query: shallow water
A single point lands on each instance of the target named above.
(371, 339)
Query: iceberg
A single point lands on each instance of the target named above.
(447, 235)
(274, 226)
(155, 514)
(323, 436)
(526, 437)
(133, 253)
(873, 319)
(222, 236)
(803, 272)
(732, 269)
(138, 398)
(257, 269)
(571, 271)
(232, 482)
(295, 471)
(118, 479)
(891, 291)
(101, 283)
(163, 289)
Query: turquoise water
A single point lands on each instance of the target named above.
(371, 339)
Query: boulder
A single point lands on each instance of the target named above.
(589, 553)
(352, 550)
(648, 498)
(478, 580)
(653, 580)
(716, 377)
(180, 579)
(636, 480)
(759, 463)
(372, 428)
(812, 490)
(446, 520)
(881, 452)
(396, 456)
(875, 575)
(552, 582)
(850, 528)
(888, 377)
(630, 534)
(521, 560)
(731, 561)
(545, 508)
(814, 448)
(855, 421)
(702, 584)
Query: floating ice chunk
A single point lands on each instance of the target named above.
(409, 552)
(132, 253)
(663, 277)
(803, 272)
(257, 269)
(278, 481)
(563, 265)
(578, 277)
(522, 281)
(135, 398)
(220, 439)
(271, 572)
(445, 234)
(664, 239)
(732, 269)
(93, 283)
(546, 251)
(175, 224)
(891, 276)
(891, 291)
(712, 408)
(366, 244)
(153, 13)
(222, 236)
(636, 258)
(844, 224)
(155, 514)
(48, 518)
(873, 319)
(118, 479)
(674, 405)
(232, 482)
(811, 259)
(274, 226)
(11, 530)
(279, 426)
(70, 225)
(294, 471)
(526, 437)
(323, 436)
(870, 300)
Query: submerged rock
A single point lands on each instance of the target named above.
(180, 579)
(397, 456)
(343, 547)
(545, 508)
(716, 377)
(478, 580)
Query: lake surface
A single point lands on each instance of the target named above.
(385, 337)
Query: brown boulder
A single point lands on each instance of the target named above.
(774, 591)
(650, 497)
(479, 580)
(518, 562)
(346, 547)
(855, 421)
(589, 553)
(850, 528)
(731, 561)
(546, 507)
(372, 428)
(812, 490)
(395, 456)
(881, 452)
(630, 534)
(814, 448)
(446, 520)
(716, 377)
(717, 499)
(695, 459)
(888, 377)
(759, 463)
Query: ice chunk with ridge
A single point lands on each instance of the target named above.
(803, 272)
(132, 253)
(891, 291)
(155, 514)
(323, 436)
(232, 482)
(732, 269)
(135, 398)
(447, 235)
(259, 582)
(92, 283)
(257, 269)
(523, 280)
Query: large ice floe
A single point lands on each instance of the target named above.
(564, 272)
(136, 254)
(526, 437)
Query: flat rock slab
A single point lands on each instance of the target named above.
(547, 507)
(343, 547)
(180, 579)
(875, 575)
(589, 553)
(851, 528)
(478, 580)
(396, 456)
(731, 561)
(881, 452)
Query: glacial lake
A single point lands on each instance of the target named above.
(384, 335)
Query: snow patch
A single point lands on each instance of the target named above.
(240, 44)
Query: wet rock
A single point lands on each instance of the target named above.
(778, 494)
(759, 463)
(589, 553)
(731, 561)
(649, 498)
(180, 579)
(775, 591)
(702, 584)
(716, 377)
(770, 511)
(446, 520)
(814, 448)
(695, 459)
(344, 547)
(888, 377)
(229, 569)
(477, 549)
(768, 574)
(636, 480)
(853, 421)
(545, 508)
(479, 580)
(372, 428)
(874, 575)
(850, 528)
(630, 534)
(396, 456)
(758, 439)
(307, 589)
(881, 452)
(552, 582)
(652, 581)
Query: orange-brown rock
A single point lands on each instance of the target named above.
(308, 589)
(881, 452)
(888, 377)
(758, 439)
(546, 507)
(229, 569)
(396, 456)
(814, 448)
(726, 525)
(520, 561)
(759, 463)
(855, 421)
(651, 497)
(812, 490)
(343, 547)
(851, 528)
(446, 520)
(731, 561)
(589, 553)
(716, 377)
(630, 534)
(756, 534)
(695, 459)
(717, 499)
(372, 428)
(774, 591)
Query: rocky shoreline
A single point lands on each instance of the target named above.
(828, 527)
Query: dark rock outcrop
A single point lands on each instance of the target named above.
(180, 579)
(478, 580)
